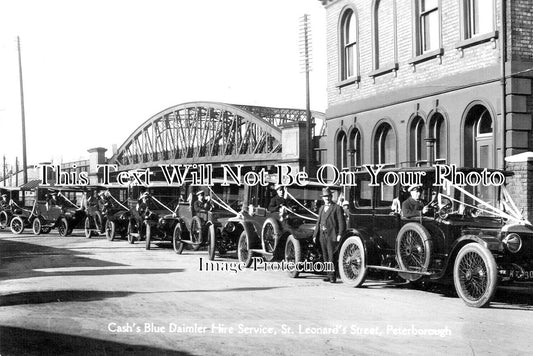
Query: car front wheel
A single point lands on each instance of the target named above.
(17, 225)
(475, 275)
(110, 230)
(243, 253)
(176, 240)
(293, 254)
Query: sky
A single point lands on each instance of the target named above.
(93, 71)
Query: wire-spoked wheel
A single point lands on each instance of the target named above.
(352, 262)
(475, 275)
(413, 250)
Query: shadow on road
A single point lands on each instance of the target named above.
(19, 341)
(59, 296)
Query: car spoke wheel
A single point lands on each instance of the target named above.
(270, 235)
(352, 262)
(211, 231)
(110, 230)
(131, 238)
(63, 228)
(87, 227)
(4, 219)
(413, 250)
(17, 225)
(475, 275)
(176, 239)
(197, 233)
(243, 253)
(293, 254)
(37, 226)
(148, 235)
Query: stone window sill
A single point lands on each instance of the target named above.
(491, 36)
(427, 56)
(384, 70)
(349, 81)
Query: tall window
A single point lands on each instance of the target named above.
(385, 41)
(478, 138)
(355, 148)
(342, 150)
(479, 17)
(385, 145)
(417, 143)
(438, 131)
(349, 45)
(428, 26)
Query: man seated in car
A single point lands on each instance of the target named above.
(3, 202)
(278, 201)
(414, 206)
(142, 205)
(202, 205)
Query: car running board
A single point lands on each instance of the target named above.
(383, 268)
(260, 251)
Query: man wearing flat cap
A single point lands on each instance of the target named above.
(329, 229)
(278, 201)
(202, 204)
(3, 202)
(414, 206)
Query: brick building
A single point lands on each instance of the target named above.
(403, 71)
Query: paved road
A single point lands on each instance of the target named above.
(89, 296)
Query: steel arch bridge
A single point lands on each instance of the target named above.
(209, 132)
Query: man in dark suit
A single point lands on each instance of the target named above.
(414, 206)
(329, 229)
(278, 201)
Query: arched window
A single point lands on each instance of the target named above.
(478, 138)
(385, 145)
(417, 134)
(349, 63)
(439, 132)
(385, 41)
(355, 148)
(342, 150)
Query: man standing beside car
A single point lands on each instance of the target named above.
(329, 229)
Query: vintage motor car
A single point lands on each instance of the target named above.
(159, 218)
(105, 213)
(9, 201)
(284, 234)
(202, 228)
(55, 208)
(474, 235)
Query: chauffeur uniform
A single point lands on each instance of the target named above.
(330, 224)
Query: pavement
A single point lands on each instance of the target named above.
(78, 296)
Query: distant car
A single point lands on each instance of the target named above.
(7, 206)
(55, 208)
(465, 236)
(285, 234)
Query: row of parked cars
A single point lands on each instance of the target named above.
(474, 237)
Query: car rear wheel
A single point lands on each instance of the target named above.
(110, 230)
(87, 227)
(176, 239)
(37, 226)
(352, 262)
(4, 219)
(17, 225)
(197, 233)
(243, 253)
(270, 234)
(293, 254)
(62, 227)
(211, 234)
(131, 238)
(475, 275)
(413, 250)
(148, 236)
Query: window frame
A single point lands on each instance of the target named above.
(346, 15)
(419, 55)
(467, 38)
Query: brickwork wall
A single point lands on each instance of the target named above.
(523, 177)
(452, 62)
(521, 36)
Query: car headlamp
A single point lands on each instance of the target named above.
(513, 242)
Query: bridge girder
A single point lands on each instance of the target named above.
(208, 132)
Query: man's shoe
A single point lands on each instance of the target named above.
(327, 279)
(333, 280)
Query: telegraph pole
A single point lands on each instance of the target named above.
(305, 61)
(24, 162)
(4, 170)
